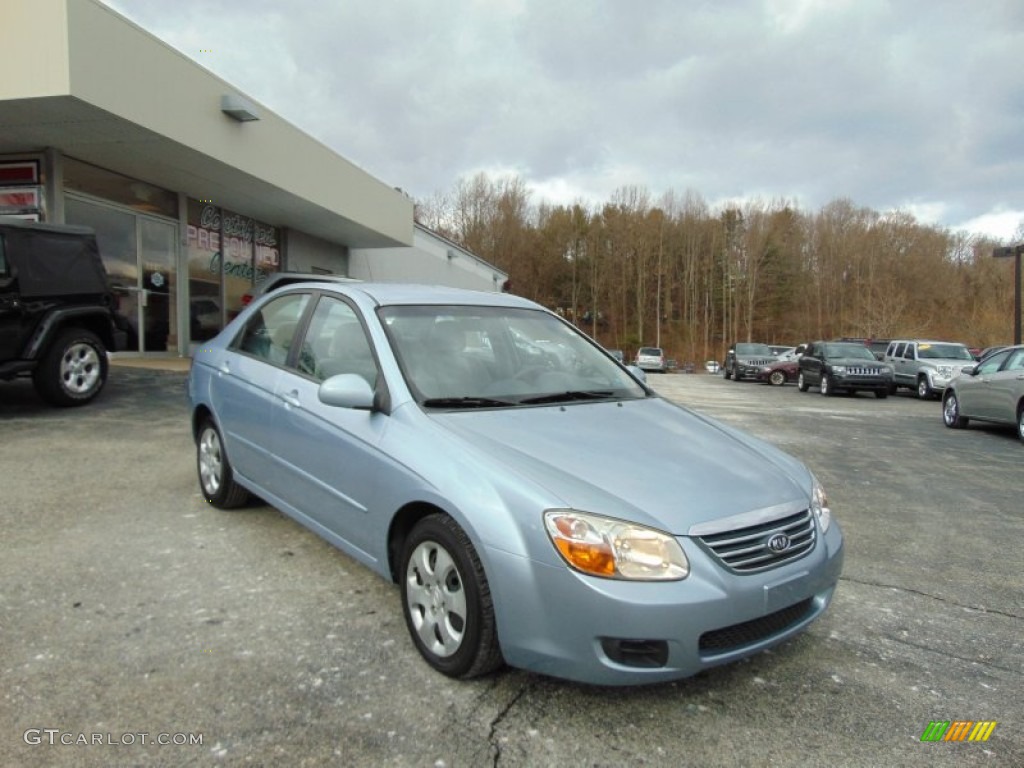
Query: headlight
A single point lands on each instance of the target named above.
(615, 549)
(819, 505)
(838, 369)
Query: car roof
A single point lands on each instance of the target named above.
(395, 294)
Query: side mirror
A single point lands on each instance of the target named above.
(970, 370)
(347, 390)
(638, 374)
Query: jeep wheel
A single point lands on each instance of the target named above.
(73, 370)
(801, 383)
(924, 391)
(777, 378)
(727, 374)
(951, 412)
(826, 385)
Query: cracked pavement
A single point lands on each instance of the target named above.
(127, 605)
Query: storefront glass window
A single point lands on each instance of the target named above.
(112, 186)
(227, 254)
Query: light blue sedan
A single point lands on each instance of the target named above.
(543, 510)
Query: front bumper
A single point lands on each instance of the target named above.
(557, 622)
(855, 381)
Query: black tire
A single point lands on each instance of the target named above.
(924, 391)
(216, 477)
(801, 382)
(446, 600)
(73, 370)
(1020, 422)
(777, 378)
(727, 374)
(951, 412)
(827, 389)
(881, 394)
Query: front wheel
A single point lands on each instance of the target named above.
(727, 374)
(446, 600)
(1020, 422)
(826, 385)
(951, 412)
(73, 370)
(924, 390)
(216, 477)
(777, 378)
(801, 382)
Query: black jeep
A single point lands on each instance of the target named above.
(57, 316)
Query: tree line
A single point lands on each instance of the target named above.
(675, 273)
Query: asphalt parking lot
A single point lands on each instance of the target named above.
(128, 606)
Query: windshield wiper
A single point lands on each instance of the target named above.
(466, 402)
(565, 397)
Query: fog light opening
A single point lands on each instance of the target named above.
(647, 654)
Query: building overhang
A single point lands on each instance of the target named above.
(87, 82)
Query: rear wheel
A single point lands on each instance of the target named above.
(446, 600)
(73, 370)
(216, 478)
(951, 412)
(777, 378)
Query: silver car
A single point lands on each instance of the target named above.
(992, 390)
(562, 519)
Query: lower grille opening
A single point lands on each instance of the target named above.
(648, 654)
(753, 631)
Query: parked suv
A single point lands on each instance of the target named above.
(745, 360)
(926, 366)
(57, 317)
(835, 366)
(650, 359)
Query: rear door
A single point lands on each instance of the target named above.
(244, 395)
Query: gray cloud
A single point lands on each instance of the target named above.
(913, 103)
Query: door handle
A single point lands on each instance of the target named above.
(292, 398)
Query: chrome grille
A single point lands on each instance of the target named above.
(767, 361)
(857, 370)
(746, 549)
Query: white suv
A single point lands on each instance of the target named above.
(650, 359)
(926, 366)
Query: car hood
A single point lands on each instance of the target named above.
(647, 460)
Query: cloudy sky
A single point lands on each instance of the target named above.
(915, 105)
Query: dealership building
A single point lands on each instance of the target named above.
(196, 191)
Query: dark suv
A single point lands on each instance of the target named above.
(57, 317)
(745, 360)
(835, 366)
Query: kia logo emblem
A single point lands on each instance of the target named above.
(778, 543)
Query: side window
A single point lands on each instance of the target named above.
(3, 258)
(336, 343)
(994, 363)
(908, 353)
(269, 332)
(897, 350)
(1016, 361)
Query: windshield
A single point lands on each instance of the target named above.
(850, 351)
(943, 352)
(459, 356)
(754, 349)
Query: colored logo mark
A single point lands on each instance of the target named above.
(958, 730)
